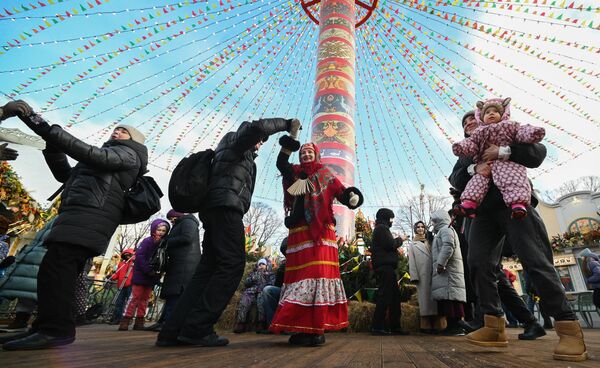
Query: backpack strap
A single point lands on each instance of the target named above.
(55, 194)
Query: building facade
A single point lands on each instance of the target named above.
(573, 224)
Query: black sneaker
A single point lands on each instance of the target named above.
(453, 331)
(378, 332)
(532, 331)
(208, 340)
(14, 336)
(37, 341)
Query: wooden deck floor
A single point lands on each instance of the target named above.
(102, 346)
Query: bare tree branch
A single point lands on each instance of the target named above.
(265, 224)
(590, 183)
(418, 208)
(131, 235)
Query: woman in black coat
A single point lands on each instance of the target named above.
(183, 248)
(91, 208)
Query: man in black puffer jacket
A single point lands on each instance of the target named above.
(221, 266)
(91, 209)
(530, 242)
(384, 255)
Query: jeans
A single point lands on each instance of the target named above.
(270, 300)
(122, 298)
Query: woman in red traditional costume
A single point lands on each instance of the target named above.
(312, 297)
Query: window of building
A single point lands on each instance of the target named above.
(565, 278)
(584, 225)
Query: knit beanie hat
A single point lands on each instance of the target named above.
(135, 134)
(173, 213)
(261, 261)
(466, 115)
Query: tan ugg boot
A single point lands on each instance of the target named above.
(125, 322)
(440, 323)
(426, 323)
(492, 333)
(571, 346)
(139, 323)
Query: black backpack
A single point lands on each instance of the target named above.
(158, 259)
(188, 185)
(142, 200)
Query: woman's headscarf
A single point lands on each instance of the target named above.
(317, 200)
(420, 237)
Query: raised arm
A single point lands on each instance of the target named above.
(288, 145)
(250, 133)
(108, 158)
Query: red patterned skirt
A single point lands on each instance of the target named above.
(312, 297)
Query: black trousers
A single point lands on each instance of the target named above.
(388, 298)
(215, 280)
(529, 240)
(56, 281)
(511, 300)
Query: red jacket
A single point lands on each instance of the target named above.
(121, 272)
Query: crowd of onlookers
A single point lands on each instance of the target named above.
(455, 258)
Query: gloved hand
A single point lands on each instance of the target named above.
(353, 200)
(7, 154)
(293, 126)
(18, 108)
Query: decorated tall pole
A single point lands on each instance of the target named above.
(334, 103)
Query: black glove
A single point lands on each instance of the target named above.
(7, 154)
(289, 143)
(18, 108)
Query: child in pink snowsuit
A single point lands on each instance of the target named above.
(510, 177)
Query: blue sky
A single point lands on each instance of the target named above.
(220, 63)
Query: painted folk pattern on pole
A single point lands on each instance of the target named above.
(334, 103)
